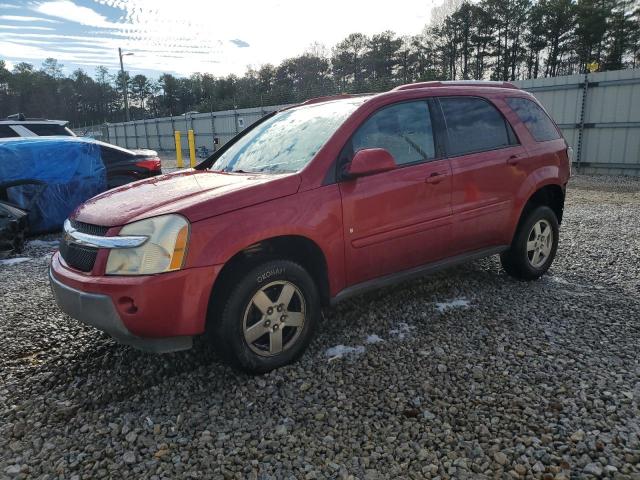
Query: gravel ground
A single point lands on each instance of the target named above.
(466, 374)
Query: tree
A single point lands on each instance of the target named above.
(591, 29)
(619, 38)
(51, 67)
(535, 39)
(140, 90)
(169, 97)
(559, 18)
(381, 58)
(497, 39)
(347, 60)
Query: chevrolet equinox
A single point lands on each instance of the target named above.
(310, 205)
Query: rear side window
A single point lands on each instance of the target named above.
(111, 155)
(404, 130)
(537, 121)
(474, 125)
(7, 132)
(46, 129)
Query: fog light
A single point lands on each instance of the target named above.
(127, 305)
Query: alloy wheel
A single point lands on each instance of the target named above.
(274, 318)
(539, 243)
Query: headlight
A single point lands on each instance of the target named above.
(164, 251)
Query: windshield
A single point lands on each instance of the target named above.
(287, 141)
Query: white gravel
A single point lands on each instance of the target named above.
(14, 261)
(527, 380)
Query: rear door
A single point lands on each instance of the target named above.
(483, 151)
(397, 219)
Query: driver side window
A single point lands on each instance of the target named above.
(404, 130)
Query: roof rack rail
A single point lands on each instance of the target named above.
(327, 98)
(16, 116)
(456, 83)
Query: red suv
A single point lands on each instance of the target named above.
(311, 205)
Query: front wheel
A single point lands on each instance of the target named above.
(534, 245)
(269, 317)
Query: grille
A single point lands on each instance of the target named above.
(77, 256)
(89, 229)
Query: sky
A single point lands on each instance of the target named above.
(187, 36)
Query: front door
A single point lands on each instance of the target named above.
(398, 219)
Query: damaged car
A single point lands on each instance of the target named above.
(14, 224)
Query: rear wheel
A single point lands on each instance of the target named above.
(269, 317)
(534, 245)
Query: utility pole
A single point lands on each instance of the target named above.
(124, 85)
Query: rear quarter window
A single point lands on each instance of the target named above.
(474, 125)
(7, 132)
(47, 129)
(111, 155)
(535, 119)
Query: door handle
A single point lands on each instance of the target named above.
(435, 177)
(514, 159)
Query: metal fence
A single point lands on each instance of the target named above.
(211, 130)
(598, 113)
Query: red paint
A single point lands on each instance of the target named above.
(396, 220)
(366, 227)
(370, 161)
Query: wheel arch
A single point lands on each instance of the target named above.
(551, 195)
(297, 248)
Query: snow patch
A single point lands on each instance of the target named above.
(559, 280)
(14, 261)
(455, 303)
(43, 243)
(373, 339)
(401, 331)
(340, 351)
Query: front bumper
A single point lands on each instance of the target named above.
(98, 311)
(155, 313)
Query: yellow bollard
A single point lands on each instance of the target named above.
(178, 149)
(192, 148)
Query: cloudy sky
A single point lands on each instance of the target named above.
(186, 36)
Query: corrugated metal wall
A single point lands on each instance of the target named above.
(606, 109)
(158, 133)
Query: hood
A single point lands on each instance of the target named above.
(196, 194)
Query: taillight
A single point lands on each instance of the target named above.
(149, 164)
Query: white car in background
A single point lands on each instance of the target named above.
(19, 126)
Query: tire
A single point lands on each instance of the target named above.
(532, 251)
(256, 315)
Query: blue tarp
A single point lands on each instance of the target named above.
(71, 167)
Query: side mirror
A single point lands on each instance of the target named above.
(370, 161)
